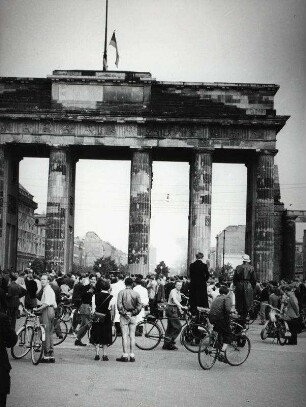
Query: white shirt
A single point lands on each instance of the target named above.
(48, 296)
(144, 298)
(115, 289)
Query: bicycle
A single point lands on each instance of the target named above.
(64, 310)
(24, 336)
(60, 331)
(30, 338)
(275, 327)
(235, 354)
(253, 311)
(195, 329)
(150, 332)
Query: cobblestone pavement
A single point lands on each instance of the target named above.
(273, 375)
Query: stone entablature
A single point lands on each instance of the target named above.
(129, 115)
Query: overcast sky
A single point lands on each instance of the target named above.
(261, 41)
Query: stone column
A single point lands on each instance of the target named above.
(289, 238)
(250, 209)
(140, 212)
(200, 204)
(60, 210)
(9, 187)
(304, 255)
(278, 228)
(278, 240)
(264, 217)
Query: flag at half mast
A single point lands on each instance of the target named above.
(113, 42)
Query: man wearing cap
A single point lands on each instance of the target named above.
(199, 275)
(244, 282)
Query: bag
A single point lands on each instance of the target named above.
(101, 317)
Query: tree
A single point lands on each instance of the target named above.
(162, 269)
(105, 265)
(77, 269)
(123, 269)
(38, 266)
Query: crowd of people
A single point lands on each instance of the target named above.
(121, 302)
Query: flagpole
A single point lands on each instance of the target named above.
(105, 39)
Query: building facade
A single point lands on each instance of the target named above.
(230, 245)
(31, 230)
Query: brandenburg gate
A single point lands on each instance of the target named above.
(73, 115)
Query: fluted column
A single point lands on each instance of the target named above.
(9, 187)
(200, 204)
(304, 255)
(278, 228)
(264, 216)
(60, 210)
(250, 209)
(140, 212)
(289, 236)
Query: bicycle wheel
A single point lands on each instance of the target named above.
(60, 332)
(37, 345)
(148, 335)
(238, 351)
(265, 331)
(281, 331)
(23, 345)
(114, 334)
(66, 314)
(207, 353)
(191, 336)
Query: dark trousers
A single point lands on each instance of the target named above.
(85, 320)
(3, 399)
(174, 324)
(12, 313)
(293, 329)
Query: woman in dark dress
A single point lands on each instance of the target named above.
(101, 333)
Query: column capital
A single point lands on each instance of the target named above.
(271, 152)
(140, 149)
(204, 150)
(289, 217)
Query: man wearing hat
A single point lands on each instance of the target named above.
(244, 282)
(199, 275)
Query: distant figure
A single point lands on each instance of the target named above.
(244, 281)
(8, 339)
(198, 288)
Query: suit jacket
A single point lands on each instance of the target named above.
(14, 292)
(8, 339)
(199, 275)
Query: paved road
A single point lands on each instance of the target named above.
(272, 376)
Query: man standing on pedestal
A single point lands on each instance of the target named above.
(199, 275)
(244, 282)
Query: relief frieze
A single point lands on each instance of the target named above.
(159, 131)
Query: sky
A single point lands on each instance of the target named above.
(246, 41)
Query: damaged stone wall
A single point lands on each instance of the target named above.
(140, 212)
(200, 204)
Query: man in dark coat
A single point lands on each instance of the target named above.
(8, 339)
(199, 275)
(244, 282)
(14, 293)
